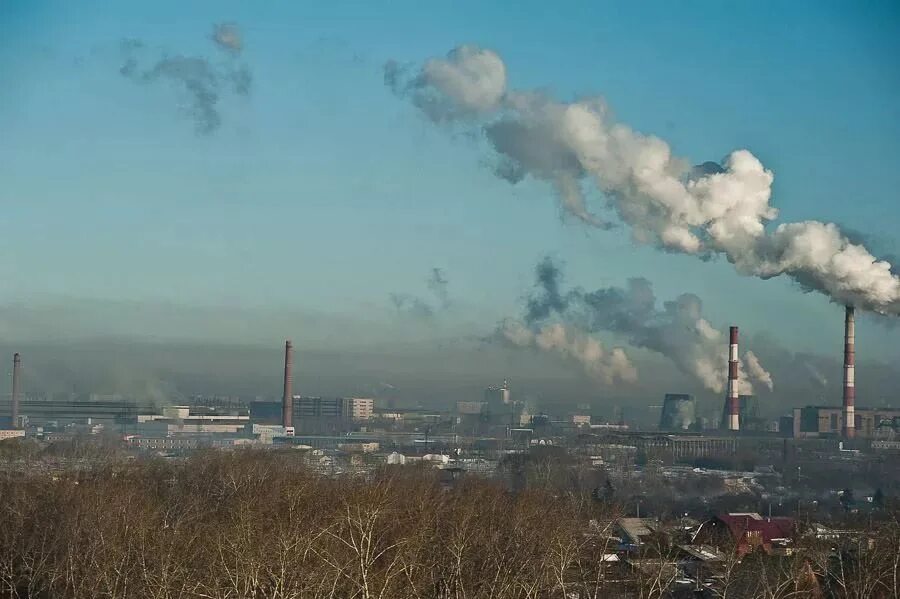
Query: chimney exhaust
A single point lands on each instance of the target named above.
(287, 400)
(732, 401)
(849, 373)
(14, 412)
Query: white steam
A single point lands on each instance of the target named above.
(675, 329)
(598, 362)
(716, 210)
(468, 82)
(756, 371)
(471, 78)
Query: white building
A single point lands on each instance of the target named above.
(395, 458)
(179, 420)
(11, 433)
(361, 408)
(267, 432)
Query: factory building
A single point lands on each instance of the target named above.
(309, 408)
(186, 420)
(266, 433)
(497, 396)
(164, 443)
(314, 414)
(266, 412)
(470, 408)
(828, 421)
(498, 408)
(361, 408)
(115, 415)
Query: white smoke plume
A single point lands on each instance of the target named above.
(756, 371)
(707, 210)
(599, 363)
(677, 329)
(467, 82)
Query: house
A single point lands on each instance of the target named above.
(748, 531)
(634, 532)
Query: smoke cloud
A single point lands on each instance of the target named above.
(599, 363)
(228, 37)
(420, 308)
(677, 329)
(710, 210)
(200, 81)
(468, 82)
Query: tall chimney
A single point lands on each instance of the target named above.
(849, 372)
(732, 401)
(287, 400)
(17, 366)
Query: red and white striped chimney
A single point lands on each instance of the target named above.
(287, 400)
(732, 399)
(849, 372)
(14, 412)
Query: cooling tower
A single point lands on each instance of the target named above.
(678, 413)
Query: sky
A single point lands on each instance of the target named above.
(320, 203)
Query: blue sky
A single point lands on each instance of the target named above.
(322, 192)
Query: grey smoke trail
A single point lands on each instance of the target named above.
(599, 363)
(411, 305)
(437, 284)
(715, 209)
(676, 330)
(202, 82)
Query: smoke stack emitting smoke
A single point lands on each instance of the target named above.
(706, 211)
(287, 400)
(14, 412)
(849, 372)
(732, 399)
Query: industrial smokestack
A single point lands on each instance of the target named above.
(849, 372)
(287, 400)
(732, 399)
(14, 413)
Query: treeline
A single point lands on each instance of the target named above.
(254, 524)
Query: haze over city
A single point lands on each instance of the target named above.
(276, 187)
